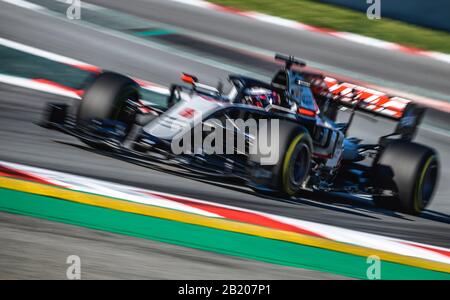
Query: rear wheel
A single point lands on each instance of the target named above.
(410, 171)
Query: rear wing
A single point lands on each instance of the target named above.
(407, 114)
(367, 99)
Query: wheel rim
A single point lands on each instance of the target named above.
(299, 165)
(429, 182)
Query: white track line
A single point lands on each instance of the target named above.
(45, 54)
(24, 4)
(39, 86)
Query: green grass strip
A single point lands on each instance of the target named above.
(224, 242)
(343, 19)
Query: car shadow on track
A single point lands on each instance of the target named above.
(341, 203)
(436, 216)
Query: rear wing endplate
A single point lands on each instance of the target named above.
(409, 122)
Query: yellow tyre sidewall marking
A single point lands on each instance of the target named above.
(287, 160)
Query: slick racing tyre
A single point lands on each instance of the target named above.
(106, 99)
(292, 168)
(410, 171)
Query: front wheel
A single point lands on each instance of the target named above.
(409, 172)
(296, 165)
(106, 99)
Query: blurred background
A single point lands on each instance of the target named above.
(416, 23)
(432, 14)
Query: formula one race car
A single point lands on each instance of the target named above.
(279, 137)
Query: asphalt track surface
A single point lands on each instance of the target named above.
(23, 141)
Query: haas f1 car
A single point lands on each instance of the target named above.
(314, 152)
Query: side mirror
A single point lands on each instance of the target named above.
(191, 79)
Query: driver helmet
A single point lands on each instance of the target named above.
(261, 97)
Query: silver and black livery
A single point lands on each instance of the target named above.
(315, 153)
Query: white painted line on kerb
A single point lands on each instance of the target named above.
(368, 41)
(196, 3)
(48, 55)
(33, 84)
(272, 19)
(24, 4)
(45, 54)
(438, 55)
(38, 86)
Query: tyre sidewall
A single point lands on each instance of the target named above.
(291, 136)
(401, 167)
(105, 97)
